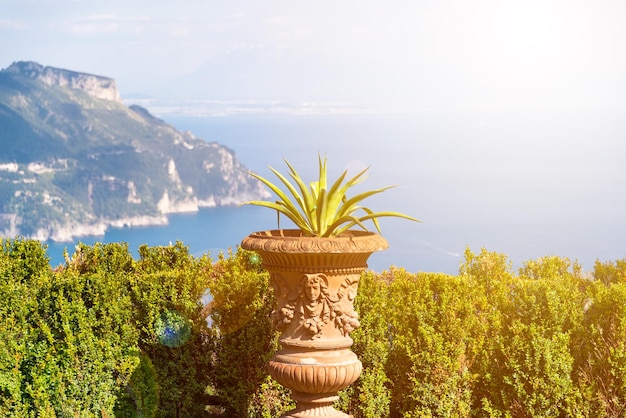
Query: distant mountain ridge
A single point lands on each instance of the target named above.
(75, 160)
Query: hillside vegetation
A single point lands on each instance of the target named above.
(74, 159)
(108, 335)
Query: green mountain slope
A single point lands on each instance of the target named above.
(74, 159)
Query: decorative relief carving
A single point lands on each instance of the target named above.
(314, 305)
(286, 303)
(346, 318)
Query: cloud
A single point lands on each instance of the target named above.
(13, 25)
(282, 21)
(103, 23)
(179, 30)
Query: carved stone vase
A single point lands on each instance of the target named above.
(315, 281)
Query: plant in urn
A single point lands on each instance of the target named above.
(315, 273)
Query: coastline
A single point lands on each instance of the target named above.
(72, 231)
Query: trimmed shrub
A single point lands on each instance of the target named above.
(601, 350)
(140, 398)
(74, 345)
(526, 367)
(83, 338)
(167, 290)
(107, 335)
(245, 341)
(429, 362)
(22, 263)
(370, 395)
(610, 272)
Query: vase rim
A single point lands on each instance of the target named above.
(297, 234)
(351, 241)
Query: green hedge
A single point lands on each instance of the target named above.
(546, 342)
(107, 335)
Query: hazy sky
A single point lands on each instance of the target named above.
(562, 52)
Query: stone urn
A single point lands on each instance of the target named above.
(315, 280)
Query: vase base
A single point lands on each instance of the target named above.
(309, 410)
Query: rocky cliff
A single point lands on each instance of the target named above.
(96, 86)
(75, 160)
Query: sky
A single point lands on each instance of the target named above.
(417, 52)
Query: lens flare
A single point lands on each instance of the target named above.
(172, 329)
(255, 260)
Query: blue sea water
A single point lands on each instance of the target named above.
(526, 183)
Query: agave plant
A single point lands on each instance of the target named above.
(318, 210)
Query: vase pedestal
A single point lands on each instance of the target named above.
(315, 377)
(315, 281)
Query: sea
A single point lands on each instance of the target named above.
(523, 181)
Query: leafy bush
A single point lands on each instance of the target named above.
(245, 341)
(141, 393)
(489, 342)
(71, 346)
(108, 335)
(21, 265)
(83, 338)
(370, 396)
(167, 288)
(610, 272)
(601, 354)
(428, 359)
(529, 360)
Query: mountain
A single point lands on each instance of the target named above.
(75, 160)
(271, 74)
